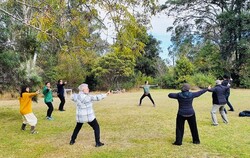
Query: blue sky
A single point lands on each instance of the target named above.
(159, 26)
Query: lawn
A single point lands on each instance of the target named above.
(127, 130)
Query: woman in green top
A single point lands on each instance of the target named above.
(146, 92)
(48, 99)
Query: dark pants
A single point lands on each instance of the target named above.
(62, 99)
(94, 124)
(180, 124)
(50, 109)
(148, 95)
(229, 104)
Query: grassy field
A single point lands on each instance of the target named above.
(127, 130)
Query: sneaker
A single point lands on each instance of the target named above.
(71, 142)
(49, 118)
(34, 132)
(99, 144)
(61, 110)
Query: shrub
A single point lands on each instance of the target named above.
(201, 80)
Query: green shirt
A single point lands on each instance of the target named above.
(47, 95)
(146, 88)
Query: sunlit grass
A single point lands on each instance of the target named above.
(127, 130)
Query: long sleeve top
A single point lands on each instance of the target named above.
(60, 89)
(218, 94)
(48, 97)
(146, 88)
(26, 103)
(84, 106)
(185, 100)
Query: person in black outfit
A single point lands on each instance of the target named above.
(186, 112)
(227, 82)
(60, 94)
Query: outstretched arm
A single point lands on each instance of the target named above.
(199, 93)
(173, 95)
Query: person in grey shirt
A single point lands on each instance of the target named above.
(146, 92)
(85, 112)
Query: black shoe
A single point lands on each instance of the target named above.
(61, 110)
(231, 110)
(176, 144)
(72, 142)
(196, 142)
(99, 144)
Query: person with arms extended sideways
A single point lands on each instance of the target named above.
(26, 109)
(186, 112)
(85, 112)
(146, 92)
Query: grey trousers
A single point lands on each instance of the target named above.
(222, 113)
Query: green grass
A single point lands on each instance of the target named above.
(127, 130)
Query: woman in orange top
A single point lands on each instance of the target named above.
(26, 108)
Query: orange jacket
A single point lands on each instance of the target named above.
(25, 103)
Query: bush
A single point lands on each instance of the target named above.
(201, 80)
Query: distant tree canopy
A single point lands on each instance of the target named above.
(223, 24)
(44, 41)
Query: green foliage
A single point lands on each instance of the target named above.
(147, 62)
(208, 60)
(183, 70)
(112, 68)
(201, 80)
(168, 80)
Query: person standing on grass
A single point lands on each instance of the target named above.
(186, 112)
(48, 99)
(219, 101)
(26, 108)
(60, 94)
(227, 82)
(85, 112)
(146, 92)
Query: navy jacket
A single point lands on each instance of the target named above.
(219, 93)
(60, 89)
(185, 100)
(227, 84)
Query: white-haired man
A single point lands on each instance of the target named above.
(85, 112)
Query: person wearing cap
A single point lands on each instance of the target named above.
(85, 112)
(186, 112)
(219, 101)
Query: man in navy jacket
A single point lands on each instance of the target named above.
(219, 101)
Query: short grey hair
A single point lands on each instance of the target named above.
(80, 88)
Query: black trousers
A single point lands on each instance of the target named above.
(94, 124)
(180, 124)
(50, 109)
(148, 95)
(62, 99)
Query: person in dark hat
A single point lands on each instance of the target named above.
(227, 82)
(186, 112)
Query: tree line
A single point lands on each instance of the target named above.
(49, 40)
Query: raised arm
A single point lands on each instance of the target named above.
(199, 93)
(173, 95)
